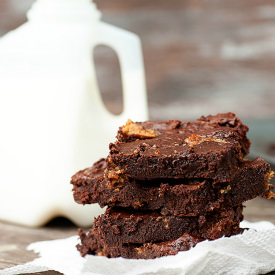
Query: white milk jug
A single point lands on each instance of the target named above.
(52, 119)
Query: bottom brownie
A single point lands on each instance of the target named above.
(140, 235)
(124, 226)
(94, 245)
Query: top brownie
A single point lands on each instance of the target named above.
(212, 147)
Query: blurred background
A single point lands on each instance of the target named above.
(200, 57)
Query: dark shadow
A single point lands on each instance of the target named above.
(49, 272)
(59, 222)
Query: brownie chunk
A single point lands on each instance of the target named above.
(123, 226)
(173, 196)
(212, 147)
(91, 243)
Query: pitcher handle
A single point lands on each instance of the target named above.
(128, 49)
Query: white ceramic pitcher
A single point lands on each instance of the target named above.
(52, 119)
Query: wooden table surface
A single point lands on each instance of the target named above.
(200, 57)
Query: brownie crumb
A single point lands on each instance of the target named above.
(132, 130)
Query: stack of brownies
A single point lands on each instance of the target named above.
(169, 185)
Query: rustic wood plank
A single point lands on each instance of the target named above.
(260, 209)
(14, 240)
(200, 57)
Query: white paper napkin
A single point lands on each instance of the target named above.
(252, 252)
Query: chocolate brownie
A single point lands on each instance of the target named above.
(91, 243)
(212, 147)
(173, 196)
(169, 185)
(123, 226)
